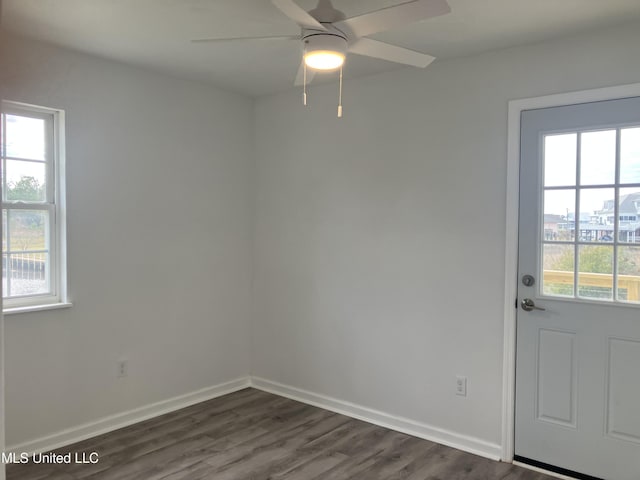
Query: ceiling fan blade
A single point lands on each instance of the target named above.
(392, 53)
(233, 39)
(300, 76)
(298, 15)
(393, 17)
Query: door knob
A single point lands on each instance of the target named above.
(529, 305)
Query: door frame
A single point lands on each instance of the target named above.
(515, 108)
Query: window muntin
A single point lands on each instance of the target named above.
(590, 231)
(32, 217)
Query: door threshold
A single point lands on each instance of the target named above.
(551, 470)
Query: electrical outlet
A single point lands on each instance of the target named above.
(461, 385)
(123, 368)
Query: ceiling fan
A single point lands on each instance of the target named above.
(327, 36)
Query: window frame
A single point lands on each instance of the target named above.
(55, 204)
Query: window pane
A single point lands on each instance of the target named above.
(5, 291)
(560, 160)
(630, 155)
(595, 272)
(559, 206)
(28, 230)
(598, 157)
(557, 266)
(597, 214)
(25, 137)
(29, 274)
(4, 230)
(629, 274)
(629, 212)
(26, 181)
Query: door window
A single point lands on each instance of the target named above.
(590, 229)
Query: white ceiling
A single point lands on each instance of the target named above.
(157, 33)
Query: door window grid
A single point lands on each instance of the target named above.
(602, 261)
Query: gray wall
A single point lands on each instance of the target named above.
(379, 245)
(159, 217)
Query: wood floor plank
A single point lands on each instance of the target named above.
(117, 449)
(311, 467)
(387, 463)
(278, 448)
(253, 435)
(368, 462)
(282, 450)
(197, 471)
(211, 408)
(186, 453)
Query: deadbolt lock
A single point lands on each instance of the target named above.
(528, 280)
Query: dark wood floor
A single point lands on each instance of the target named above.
(255, 435)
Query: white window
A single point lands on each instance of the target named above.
(33, 221)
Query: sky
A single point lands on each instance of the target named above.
(597, 167)
(25, 139)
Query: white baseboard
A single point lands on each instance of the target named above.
(411, 427)
(124, 419)
(113, 422)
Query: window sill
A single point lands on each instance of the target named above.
(36, 308)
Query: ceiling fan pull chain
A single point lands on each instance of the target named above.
(340, 96)
(304, 85)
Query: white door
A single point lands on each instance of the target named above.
(578, 359)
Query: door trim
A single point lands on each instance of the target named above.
(515, 108)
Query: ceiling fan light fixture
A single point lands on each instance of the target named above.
(324, 59)
(325, 51)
